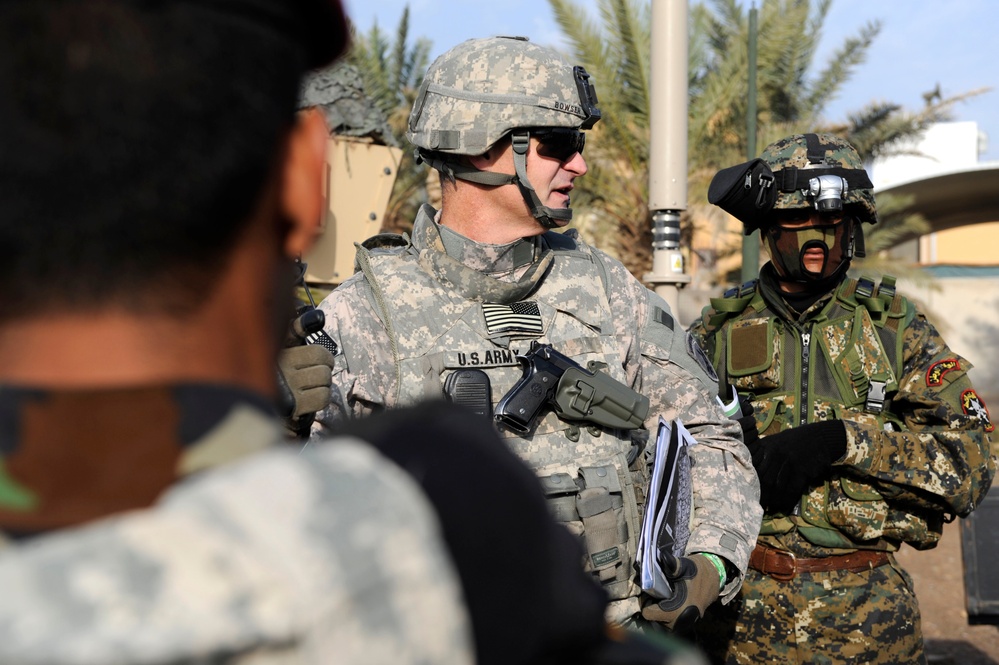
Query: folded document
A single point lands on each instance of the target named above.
(666, 523)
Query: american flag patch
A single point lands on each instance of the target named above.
(522, 317)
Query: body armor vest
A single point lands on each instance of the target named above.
(842, 362)
(583, 469)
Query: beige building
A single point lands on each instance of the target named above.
(959, 196)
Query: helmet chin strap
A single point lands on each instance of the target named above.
(549, 218)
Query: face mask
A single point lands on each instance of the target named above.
(787, 248)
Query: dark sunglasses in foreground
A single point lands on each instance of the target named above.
(560, 143)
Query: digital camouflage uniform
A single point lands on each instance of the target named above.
(413, 315)
(917, 455)
(331, 555)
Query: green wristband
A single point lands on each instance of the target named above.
(719, 566)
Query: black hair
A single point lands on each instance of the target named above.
(136, 139)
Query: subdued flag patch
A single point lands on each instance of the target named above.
(522, 317)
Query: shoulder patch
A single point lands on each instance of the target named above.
(937, 371)
(973, 405)
(697, 353)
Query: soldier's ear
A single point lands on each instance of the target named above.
(303, 171)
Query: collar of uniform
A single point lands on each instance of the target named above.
(508, 261)
(476, 271)
(71, 456)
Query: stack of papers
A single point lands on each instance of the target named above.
(666, 524)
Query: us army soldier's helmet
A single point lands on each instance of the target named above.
(484, 89)
(797, 161)
(474, 94)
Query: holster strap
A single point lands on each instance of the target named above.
(783, 566)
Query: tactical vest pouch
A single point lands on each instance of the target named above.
(842, 513)
(754, 362)
(859, 362)
(593, 505)
(765, 413)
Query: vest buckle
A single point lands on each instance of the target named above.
(875, 397)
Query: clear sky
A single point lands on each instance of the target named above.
(922, 43)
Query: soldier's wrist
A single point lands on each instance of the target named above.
(719, 565)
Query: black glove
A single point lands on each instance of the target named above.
(790, 461)
(747, 421)
(695, 582)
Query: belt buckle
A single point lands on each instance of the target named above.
(778, 555)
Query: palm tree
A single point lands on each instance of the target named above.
(790, 100)
(393, 72)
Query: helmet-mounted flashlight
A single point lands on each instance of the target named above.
(827, 192)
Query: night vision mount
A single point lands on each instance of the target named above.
(749, 191)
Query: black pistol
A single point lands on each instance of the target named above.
(556, 381)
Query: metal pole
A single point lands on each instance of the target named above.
(668, 146)
(751, 243)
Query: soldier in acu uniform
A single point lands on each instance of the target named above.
(449, 311)
(864, 428)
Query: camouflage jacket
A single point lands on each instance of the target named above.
(281, 557)
(918, 451)
(413, 315)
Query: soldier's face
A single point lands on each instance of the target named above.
(792, 239)
(551, 174)
(555, 169)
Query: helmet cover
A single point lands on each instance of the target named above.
(792, 158)
(477, 92)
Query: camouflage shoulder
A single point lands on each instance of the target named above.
(730, 304)
(299, 554)
(380, 244)
(882, 300)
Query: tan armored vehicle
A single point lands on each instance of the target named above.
(361, 168)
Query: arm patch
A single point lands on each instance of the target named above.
(695, 351)
(973, 405)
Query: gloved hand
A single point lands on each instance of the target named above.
(305, 374)
(747, 421)
(790, 461)
(695, 583)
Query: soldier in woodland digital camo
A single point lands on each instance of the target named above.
(447, 313)
(864, 427)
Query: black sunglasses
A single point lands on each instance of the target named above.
(560, 143)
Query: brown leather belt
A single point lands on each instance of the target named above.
(783, 566)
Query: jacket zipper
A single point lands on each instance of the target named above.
(806, 338)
